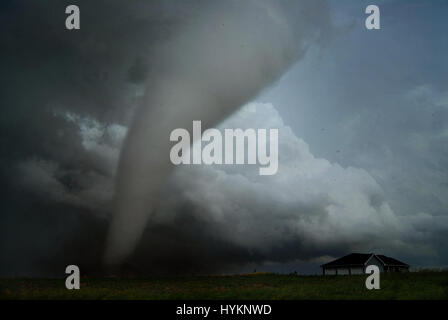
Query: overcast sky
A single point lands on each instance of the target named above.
(362, 118)
(377, 100)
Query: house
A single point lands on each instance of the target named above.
(356, 263)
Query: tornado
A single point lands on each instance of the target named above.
(218, 60)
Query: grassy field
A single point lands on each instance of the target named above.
(422, 285)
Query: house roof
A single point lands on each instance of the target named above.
(388, 261)
(352, 259)
(360, 259)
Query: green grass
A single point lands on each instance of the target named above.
(405, 286)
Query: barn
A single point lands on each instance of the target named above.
(356, 263)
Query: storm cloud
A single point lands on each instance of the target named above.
(213, 66)
(355, 174)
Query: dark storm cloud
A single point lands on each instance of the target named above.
(65, 99)
(68, 97)
(225, 218)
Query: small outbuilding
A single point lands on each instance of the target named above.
(356, 263)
